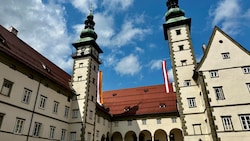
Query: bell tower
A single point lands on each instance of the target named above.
(189, 96)
(84, 78)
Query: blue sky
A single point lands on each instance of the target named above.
(129, 32)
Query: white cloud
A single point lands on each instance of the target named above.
(42, 26)
(229, 15)
(155, 64)
(117, 5)
(128, 65)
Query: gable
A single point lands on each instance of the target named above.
(219, 48)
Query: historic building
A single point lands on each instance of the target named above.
(209, 100)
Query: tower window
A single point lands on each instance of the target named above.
(191, 102)
(225, 55)
(183, 62)
(79, 78)
(181, 47)
(178, 32)
(80, 65)
(187, 83)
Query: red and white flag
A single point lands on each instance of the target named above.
(99, 88)
(165, 76)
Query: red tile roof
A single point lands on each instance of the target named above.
(19, 50)
(140, 101)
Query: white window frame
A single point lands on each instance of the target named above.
(19, 126)
(174, 120)
(42, 102)
(37, 129)
(191, 102)
(52, 132)
(214, 73)
(66, 112)
(219, 93)
(72, 136)
(248, 86)
(26, 95)
(225, 55)
(63, 135)
(245, 121)
(75, 113)
(227, 123)
(129, 122)
(246, 70)
(158, 120)
(55, 108)
(6, 87)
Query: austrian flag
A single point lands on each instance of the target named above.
(165, 76)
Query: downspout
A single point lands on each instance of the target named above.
(33, 110)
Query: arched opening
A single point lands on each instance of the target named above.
(145, 136)
(117, 136)
(160, 135)
(103, 138)
(176, 135)
(107, 137)
(130, 136)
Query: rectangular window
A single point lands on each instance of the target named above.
(129, 122)
(63, 134)
(214, 73)
(66, 112)
(191, 102)
(79, 78)
(6, 87)
(72, 136)
(52, 132)
(98, 119)
(26, 96)
(55, 108)
(187, 83)
(181, 47)
(80, 65)
(158, 120)
(173, 120)
(246, 70)
(1, 119)
(90, 114)
(183, 62)
(248, 86)
(19, 126)
(75, 113)
(97, 133)
(116, 123)
(197, 129)
(37, 129)
(227, 123)
(42, 102)
(219, 93)
(178, 32)
(245, 122)
(89, 137)
(144, 122)
(225, 55)
(104, 121)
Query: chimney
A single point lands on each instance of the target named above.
(13, 30)
(204, 47)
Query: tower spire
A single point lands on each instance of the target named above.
(172, 4)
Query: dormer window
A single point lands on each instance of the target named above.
(127, 108)
(162, 105)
